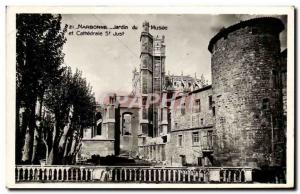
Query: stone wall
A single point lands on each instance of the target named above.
(245, 58)
(99, 147)
(192, 152)
(193, 116)
(197, 117)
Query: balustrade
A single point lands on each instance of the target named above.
(146, 174)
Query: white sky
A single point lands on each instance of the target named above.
(108, 62)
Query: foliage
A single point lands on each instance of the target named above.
(52, 104)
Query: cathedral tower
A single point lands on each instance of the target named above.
(146, 73)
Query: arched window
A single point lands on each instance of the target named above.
(126, 126)
(98, 123)
(99, 129)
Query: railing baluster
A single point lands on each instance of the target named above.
(86, 174)
(149, 174)
(53, 171)
(234, 176)
(81, 174)
(135, 174)
(159, 175)
(18, 174)
(164, 175)
(76, 174)
(28, 174)
(140, 175)
(144, 172)
(125, 174)
(224, 175)
(130, 174)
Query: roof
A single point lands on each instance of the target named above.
(275, 23)
(195, 91)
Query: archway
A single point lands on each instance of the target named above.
(98, 118)
(126, 123)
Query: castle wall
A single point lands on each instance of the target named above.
(244, 61)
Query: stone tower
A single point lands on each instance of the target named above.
(158, 64)
(246, 91)
(146, 73)
(152, 78)
(158, 83)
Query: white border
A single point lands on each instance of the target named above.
(10, 86)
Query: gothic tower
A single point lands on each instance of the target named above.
(146, 73)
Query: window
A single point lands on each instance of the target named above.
(144, 113)
(183, 109)
(144, 100)
(183, 160)
(197, 105)
(180, 140)
(214, 111)
(201, 122)
(265, 104)
(195, 138)
(210, 138)
(210, 102)
(176, 125)
(199, 161)
(127, 124)
(99, 129)
(276, 79)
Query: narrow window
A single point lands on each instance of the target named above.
(180, 140)
(265, 104)
(99, 129)
(199, 161)
(183, 109)
(210, 102)
(144, 113)
(195, 138)
(202, 122)
(209, 139)
(197, 105)
(98, 123)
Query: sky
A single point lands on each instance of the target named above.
(107, 62)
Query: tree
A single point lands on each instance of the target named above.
(39, 59)
(71, 101)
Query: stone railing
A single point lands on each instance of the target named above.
(133, 174)
(36, 173)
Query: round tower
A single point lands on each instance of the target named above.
(246, 92)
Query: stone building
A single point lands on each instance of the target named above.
(100, 139)
(192, 129)
(238, 120)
